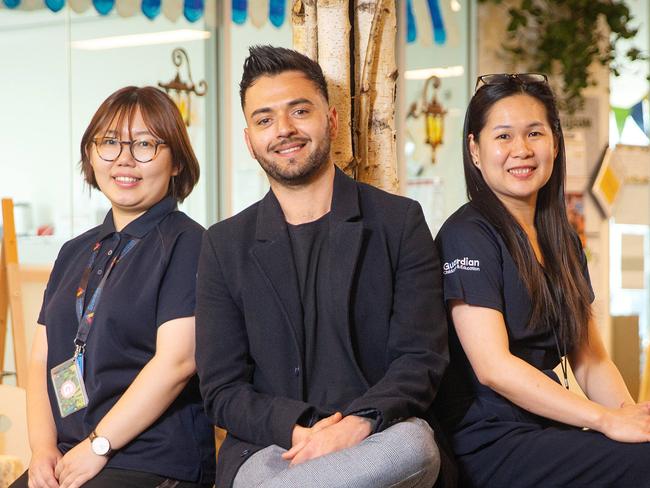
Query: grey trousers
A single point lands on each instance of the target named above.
(402, 456)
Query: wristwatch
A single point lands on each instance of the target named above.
(100, 445)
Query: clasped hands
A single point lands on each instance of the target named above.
(49, 469)
(328, 435)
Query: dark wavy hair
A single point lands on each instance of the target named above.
(559, 291)
(162, 118)
(271, 60)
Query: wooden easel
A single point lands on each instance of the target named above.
(11, 295)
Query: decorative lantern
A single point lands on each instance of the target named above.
(434, 115)
(181, 91)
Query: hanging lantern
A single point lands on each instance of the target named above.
(434, 115)
(181, 91)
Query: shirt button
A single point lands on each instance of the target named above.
(296, 371)
(110, 252)
(100, 271)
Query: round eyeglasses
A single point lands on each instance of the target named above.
(142, 150)
(503, 78)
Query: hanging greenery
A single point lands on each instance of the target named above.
(564, 37)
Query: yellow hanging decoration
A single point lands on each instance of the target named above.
(434, 115)
(181, 91)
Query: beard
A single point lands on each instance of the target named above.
(293, 173)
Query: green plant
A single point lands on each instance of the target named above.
(564, 37)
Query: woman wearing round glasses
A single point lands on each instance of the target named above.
(519, 298)
(113, 397)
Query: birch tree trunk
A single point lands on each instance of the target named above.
(334, 57)
(365, 146)
(305, 28)
(376, 72)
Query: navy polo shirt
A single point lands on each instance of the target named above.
(152, 284)
(479, 270)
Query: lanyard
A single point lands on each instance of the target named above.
(86, 316)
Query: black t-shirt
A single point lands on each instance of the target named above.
(326, 342)
(479, 270)
(152, 284)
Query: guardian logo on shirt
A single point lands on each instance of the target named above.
(461, 263)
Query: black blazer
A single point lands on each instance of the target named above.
(386, 285)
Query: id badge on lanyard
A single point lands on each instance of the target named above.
(67, 377)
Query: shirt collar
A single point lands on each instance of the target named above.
(143, 224)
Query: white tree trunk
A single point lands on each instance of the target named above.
(334, 58)
(305, 28)
(321, 30)
(376, 28)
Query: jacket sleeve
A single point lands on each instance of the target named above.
(417, 352)
(225, 368)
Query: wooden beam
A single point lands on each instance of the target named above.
(4, 303)
(14, 291)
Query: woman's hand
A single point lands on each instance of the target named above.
(628, 423)
(41, 468)
(78, 465)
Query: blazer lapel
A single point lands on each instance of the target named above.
(346, 237)
(274, 258)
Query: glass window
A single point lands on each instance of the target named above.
(437, 44)
(57, 69)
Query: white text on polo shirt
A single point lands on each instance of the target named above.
(461, 263)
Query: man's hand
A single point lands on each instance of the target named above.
(301, 434)
(342, 434)
(78, 465)
(41, 468)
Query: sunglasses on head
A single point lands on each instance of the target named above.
(503, 78)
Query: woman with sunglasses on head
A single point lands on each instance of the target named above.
(113, 398)
(519, 298)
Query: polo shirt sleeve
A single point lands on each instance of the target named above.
(177, 292)
(471, 264)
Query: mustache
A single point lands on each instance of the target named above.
(289, 140)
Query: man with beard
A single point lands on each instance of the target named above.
(321, 332)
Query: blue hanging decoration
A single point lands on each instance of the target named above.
(54, 5)
(239, 11)
(439, 33)
(11, 3)
(411, 27)
(104, 6)
(193, 10)
(150, 8)
(276, 12)
(637, 115)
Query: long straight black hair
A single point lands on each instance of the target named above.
(559, 291)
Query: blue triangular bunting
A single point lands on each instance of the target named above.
(637, 115)
(104, 6)
(411, 27)
(150, 8)
(193, 10)
(439, 33)
(239, 11)
(54, 5)
(276, 12)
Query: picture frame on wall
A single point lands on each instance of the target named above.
(607, 184)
